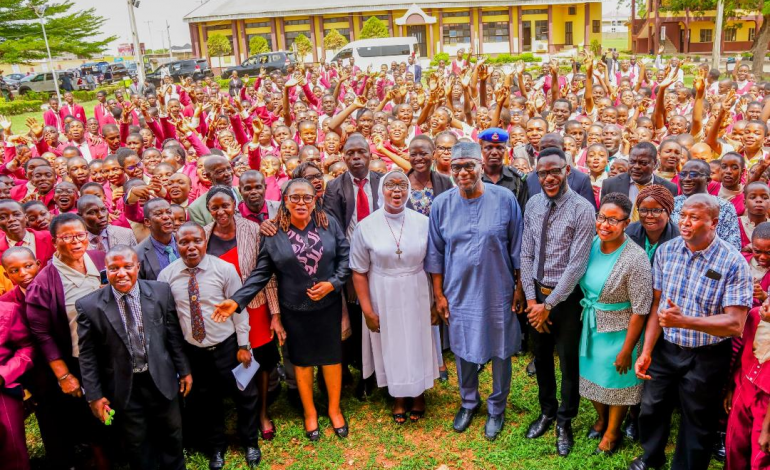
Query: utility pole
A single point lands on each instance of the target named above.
(716, 50)
(135, 36)
(149, 29)
(40, 12)
(168, 32)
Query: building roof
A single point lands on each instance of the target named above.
(214, 10)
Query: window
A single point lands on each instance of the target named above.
(496, 32)
(706, 35)
(541, 30)
(258, 24)
(572, 10)
(541, 11)
(752, 32)
(380, 17)
(495, 13)
(296, 22)
(597, 26)
(568, 33)
(456, 14)
(457, 34)
(730, 35)
(380, 51)
(268, 37)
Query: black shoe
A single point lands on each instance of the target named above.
(443, 376)
(217, 461)
(564, 439)
(531, 370)
(342, 432)
(253, 456)
(314, 435)
(631, 429)
(539, 426)
(493, 426)
(720, 453)
(463, 418)
(594, 434)
(639, 464)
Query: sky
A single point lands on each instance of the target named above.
(157, 12)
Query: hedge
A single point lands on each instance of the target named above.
(12, 108)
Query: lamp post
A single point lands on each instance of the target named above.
(135, 36)
(40, 12)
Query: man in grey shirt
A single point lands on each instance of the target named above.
(561, 223)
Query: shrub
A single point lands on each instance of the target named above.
(19, 107)
(258, 45)
(374, 28)
(438, 57)
(334, 41)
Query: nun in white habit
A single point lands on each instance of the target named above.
(386, 255)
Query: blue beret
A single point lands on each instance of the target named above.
(494, 134)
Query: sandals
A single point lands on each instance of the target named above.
(268, 434)
(399, 418)
(416, 415)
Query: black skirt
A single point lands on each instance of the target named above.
(314, 338)
(266, 356)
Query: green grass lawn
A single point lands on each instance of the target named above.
(620, 44)
(376, 442)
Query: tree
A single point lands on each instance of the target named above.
(218, 46)
(374, 28)
(334, 40)
(258, 45)
(68, 31)
(733, 9)
(303, 46)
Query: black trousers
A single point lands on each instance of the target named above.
(565, 339)
(693, 378)
(212, 379)
(351, 347)
(152, 427)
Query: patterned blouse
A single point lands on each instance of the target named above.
(421, 200)
(307, 246)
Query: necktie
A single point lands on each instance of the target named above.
(134, 337)
(196, 317)
(362, 201)
(19, 243)
(169, 250)
(97, 242)
(543, 241)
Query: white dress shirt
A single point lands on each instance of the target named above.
(28, 241)
(217, 281)
(76, 285)
(368, 191)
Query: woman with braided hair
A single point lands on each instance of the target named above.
(309, 257)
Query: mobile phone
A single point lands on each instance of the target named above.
(103, 277)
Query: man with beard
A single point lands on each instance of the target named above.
(473, 256)
(559, 223)
(254, 206)
(493, 147)
(101, 235)
(577, 180)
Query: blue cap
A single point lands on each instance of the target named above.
(494, 134)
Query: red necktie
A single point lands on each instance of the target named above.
(20, 243)
(362, 201)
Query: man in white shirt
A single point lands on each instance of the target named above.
(198, 283)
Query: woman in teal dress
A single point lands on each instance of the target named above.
(617, 289)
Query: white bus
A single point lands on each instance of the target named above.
(376, 52)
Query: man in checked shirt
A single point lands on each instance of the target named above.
(702, 294)
(560, 223)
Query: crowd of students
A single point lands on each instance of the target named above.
(339, 218)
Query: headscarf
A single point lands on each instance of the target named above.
(660, 194)
(389, 175)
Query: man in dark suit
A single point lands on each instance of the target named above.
(130, 357)
(576, 180)
(349, 199)
(415, 68)
(159, 249)
(642, 161)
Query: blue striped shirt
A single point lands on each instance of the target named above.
(680, 275)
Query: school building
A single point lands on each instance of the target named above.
(480, 26)
(691, 32)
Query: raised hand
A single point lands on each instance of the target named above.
(554, 66)
(5, 124)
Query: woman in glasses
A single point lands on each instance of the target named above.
(387, 252)
(617, 286)
(655, 204)
(235, 239)
(309, 257)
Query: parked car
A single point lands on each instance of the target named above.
(94, 68)
(115, 72)
(270, 61)
(6, 90)
(198, 69)
(13, 78)
(41, 82)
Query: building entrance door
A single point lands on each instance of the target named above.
(526, 36)
(418, 31)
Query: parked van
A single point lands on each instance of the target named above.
(376, 52)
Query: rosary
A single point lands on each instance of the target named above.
(398, 241)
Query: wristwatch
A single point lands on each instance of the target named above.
(245, 348)
(548, 306)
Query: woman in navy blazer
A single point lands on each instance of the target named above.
(309, 257)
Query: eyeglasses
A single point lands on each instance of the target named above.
(390, 186)
(457, 167)
(543, 174)
(76, 237)
(610, 220)
(443, 149)
(646, 212)
(691, 174)
(296, 198)
(315, 177)
(134, 167)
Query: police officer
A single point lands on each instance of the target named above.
(494, 142)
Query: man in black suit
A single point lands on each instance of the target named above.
(641, 163)
(349, 199)
(576, 180)
(159, 249)
(132, 361)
